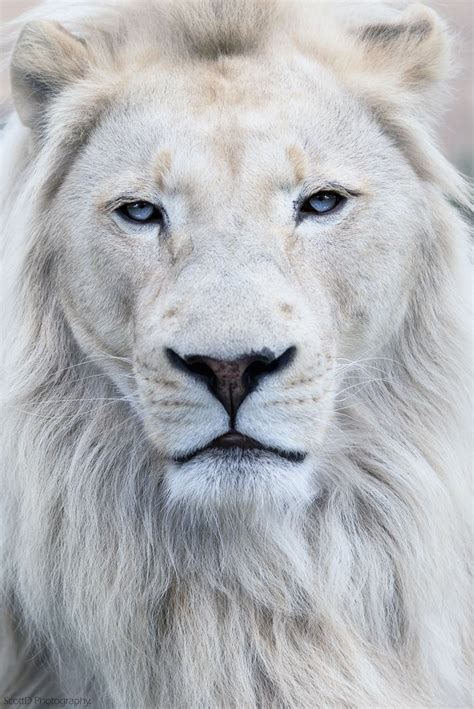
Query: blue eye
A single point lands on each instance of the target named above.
(321, 203)
(140, 212)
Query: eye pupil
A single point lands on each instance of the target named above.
(142, 212)
(322, 203)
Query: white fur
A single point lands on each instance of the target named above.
(138, 581)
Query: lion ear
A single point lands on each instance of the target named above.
(45, 60)
(409, 53)
(399, 67)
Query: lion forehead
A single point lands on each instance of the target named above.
(275, 133)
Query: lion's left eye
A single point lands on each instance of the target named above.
(140, 212)
(322, 203)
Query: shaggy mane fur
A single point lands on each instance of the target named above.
(361, 600)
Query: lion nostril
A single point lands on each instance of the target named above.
(191, 365)
(254, 372)
(199, 368)
(230, 381)
(264, 365)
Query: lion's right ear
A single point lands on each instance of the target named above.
(45, 60)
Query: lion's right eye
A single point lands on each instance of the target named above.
(322, 203)
(140, 212)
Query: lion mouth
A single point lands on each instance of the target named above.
(240, 442)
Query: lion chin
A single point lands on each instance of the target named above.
(237, 478)
(234, 463)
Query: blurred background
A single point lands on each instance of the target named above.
(457, 132)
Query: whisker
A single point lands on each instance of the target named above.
(92, 360)
(100, 374)
(357, 386)
(80, 412)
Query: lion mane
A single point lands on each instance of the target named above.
(110, 593)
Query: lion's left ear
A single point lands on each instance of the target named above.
(399, 68)
(46, 59)
(408, 55)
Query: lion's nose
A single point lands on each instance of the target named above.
(232, 380)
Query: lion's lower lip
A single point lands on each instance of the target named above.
(241, 443)
(234, 439)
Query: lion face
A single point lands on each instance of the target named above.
(236, 235)
(234, 441)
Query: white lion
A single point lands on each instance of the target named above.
(235, 435)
